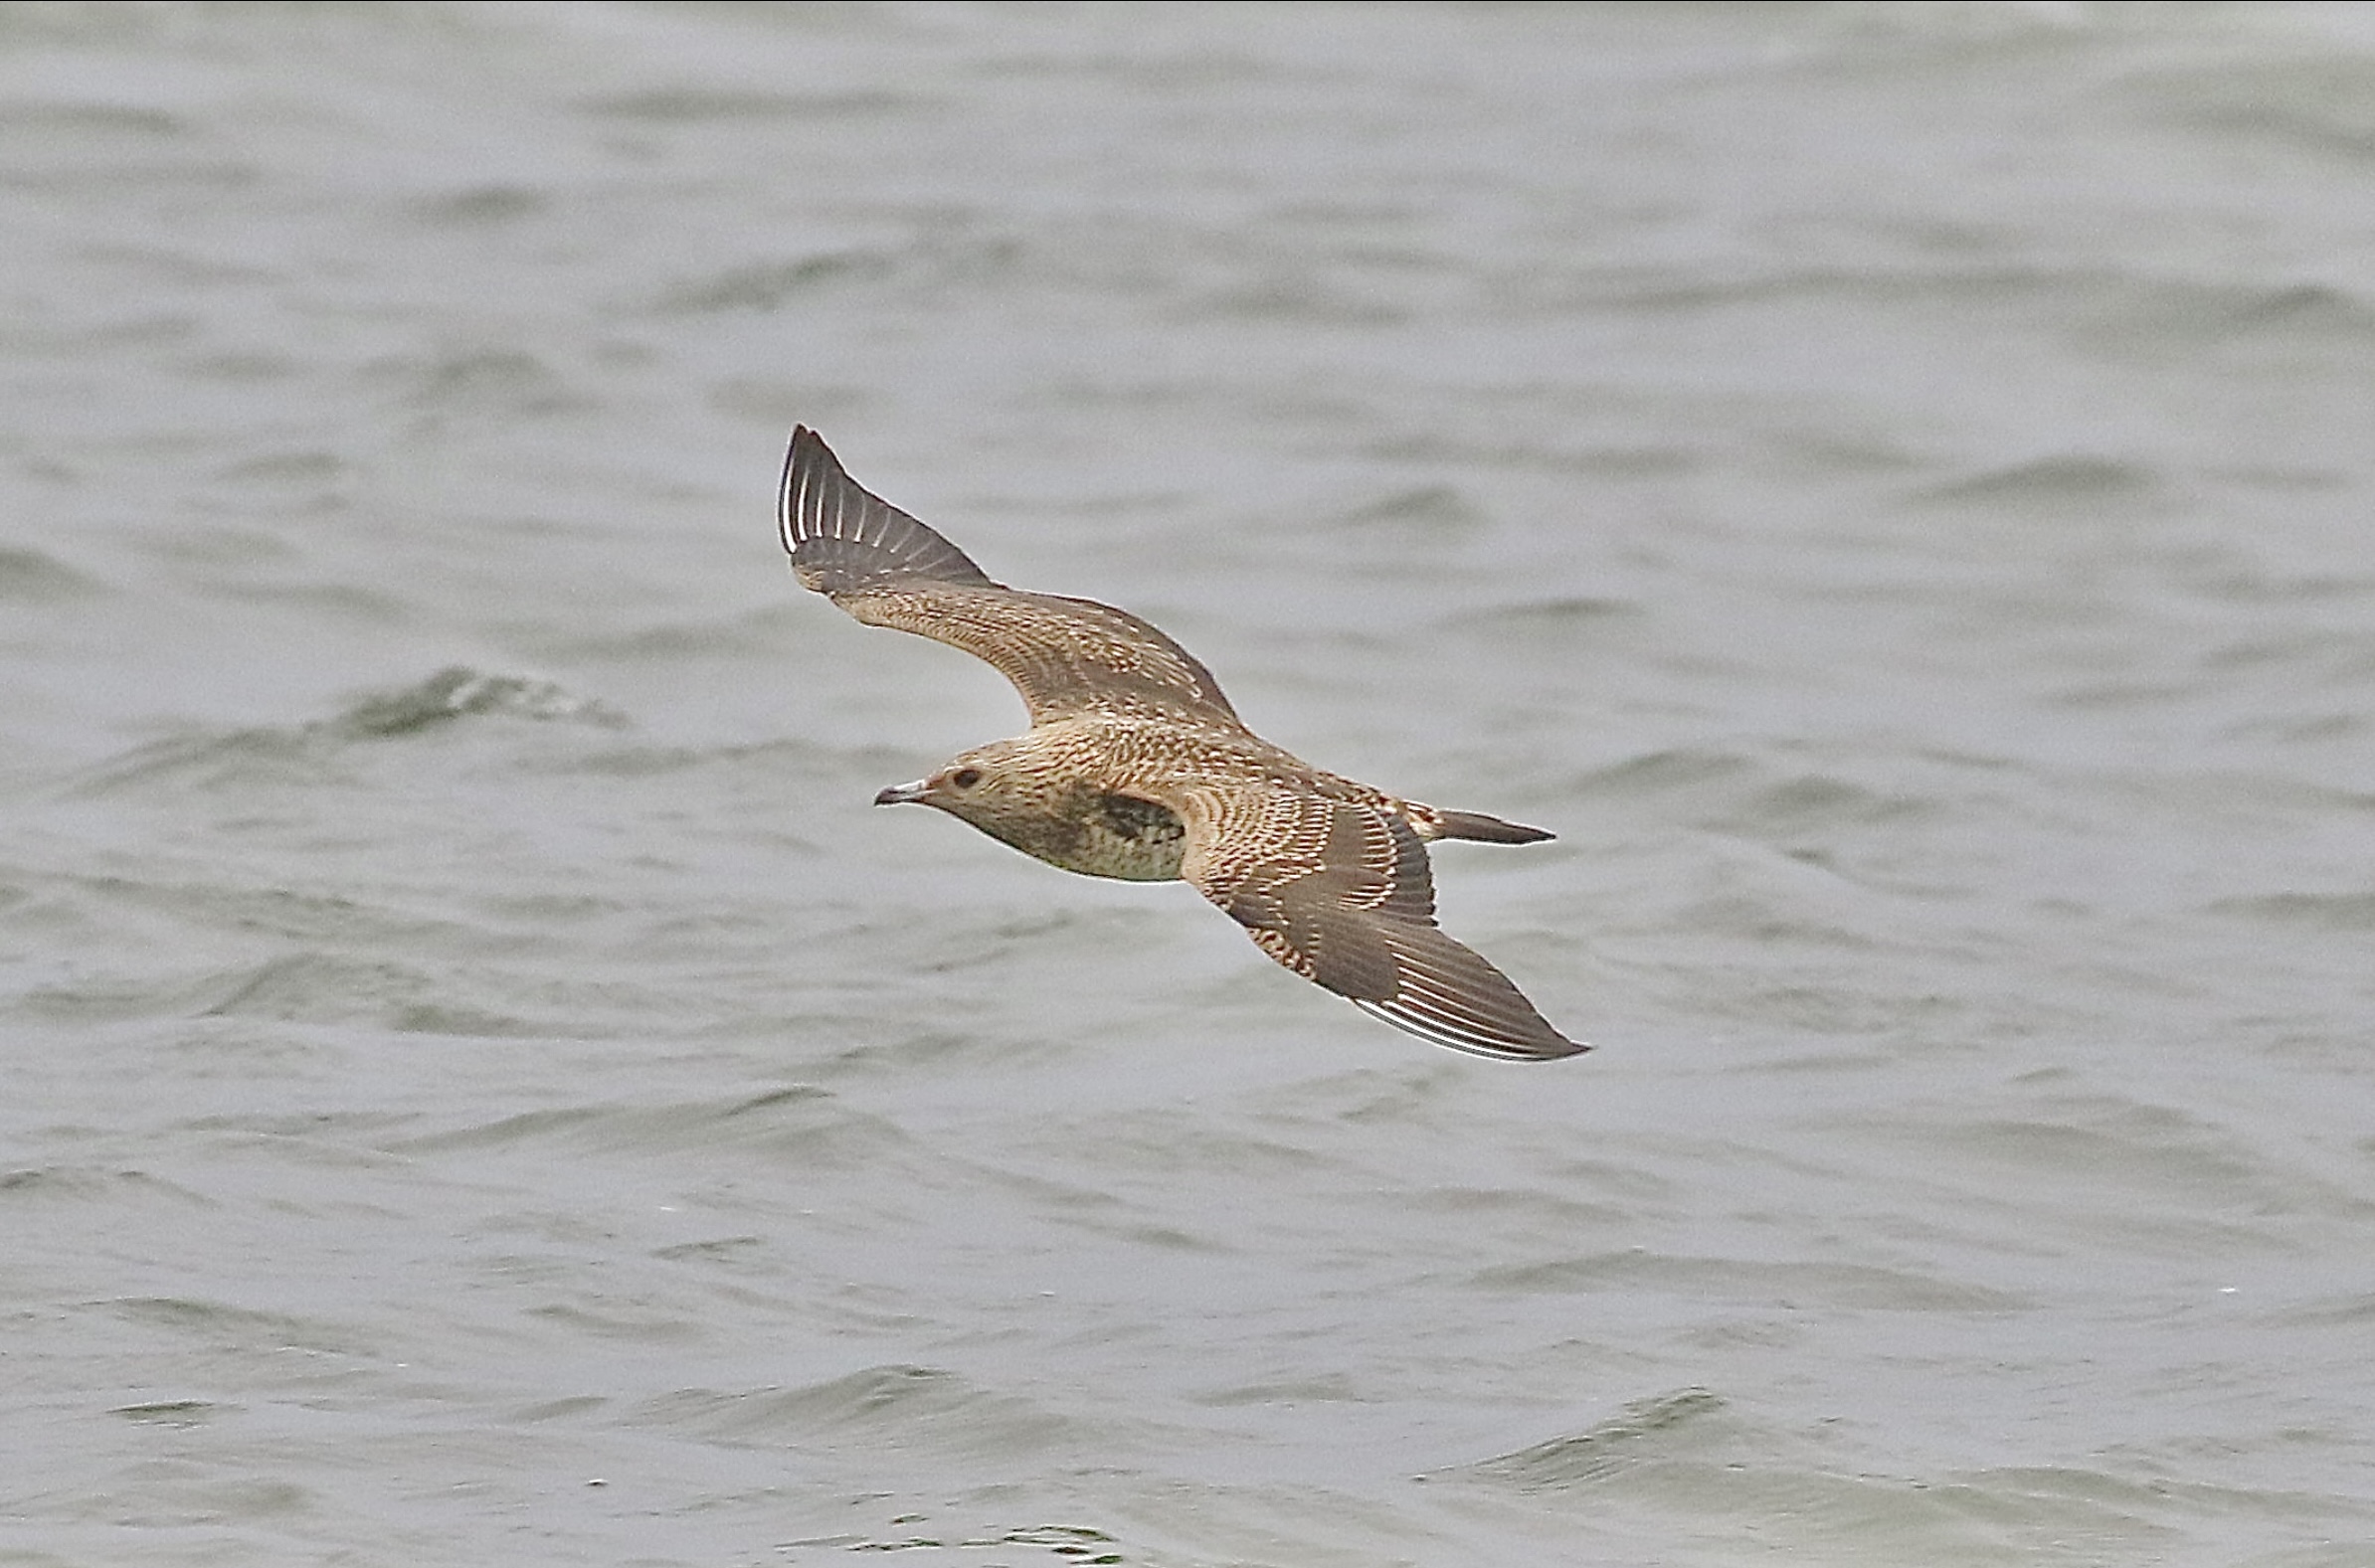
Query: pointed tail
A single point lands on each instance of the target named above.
(1485, 829)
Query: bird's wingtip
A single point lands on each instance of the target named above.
(840, 535)
(1546, 1045)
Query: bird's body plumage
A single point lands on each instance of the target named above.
(1136, 766)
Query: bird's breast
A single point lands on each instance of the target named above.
(1098, 833)
(1124, 836)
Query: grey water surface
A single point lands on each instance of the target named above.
(1892, 487)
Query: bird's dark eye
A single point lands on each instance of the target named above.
(966, 777)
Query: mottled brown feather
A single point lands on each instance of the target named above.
(1342, 894)
(1135, 766)
(1066, 656)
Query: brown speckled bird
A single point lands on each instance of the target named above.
(1136, 766)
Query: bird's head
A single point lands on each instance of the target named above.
(984, 786)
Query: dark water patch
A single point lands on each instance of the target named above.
(88, 1000)
(33, 576)
(459, 691)
(159, 260)
(653, 761)
(1830, 452)
(2072, 480)
(94, 1183)
(1703, 1463)
(1426, 508)
(550, 909)
(893, 1406)
(2244, 325)
(1165, 1238)
(137, 330)
(1635, 460)
(2307, 653)
(289, 482)
(321, 988)
(2137, 1508)
(1627, 459)
(1159, 1141)
(729, 1249)
(2115, 1149)
(1303, 298)
(765, 285)
(692, 105)
(1811, 802)
(1408, 1093)
(607, 1322)
(94, 158)
(2297, 478)
(478, 384)
(1852, 1017)
(851, 1039)
(222, 545)
(237, 761)
(1329, 1388)
(2322, 104)
(182, 1412)
(1068, 1544)
(2250, 583)
(128, 150)
(1183, 68)
(330, 959)
(2316, 312)
(1558, 621)
(2351, 913)
(312, 920)
(1732, 285)
(1541, 1210)
(760, 632)
(2353, 1311)
(1841, 1285)
(1744, 796)
(2253, 799)
(967, 942)
(2314, 729)
(331, 601)
(799, 1125)
(473, 1023)
(286, 468)
(1647, 1429)
(1070, 1201)
(1659, 775)
(229, 1326)
(1564, 611)
(122, 120)
(506, 1132)
(479, 205)
(345, 1128)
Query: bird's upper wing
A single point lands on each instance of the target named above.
(1066, 656)
(1341, 893)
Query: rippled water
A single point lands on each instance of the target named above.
(1890, 486)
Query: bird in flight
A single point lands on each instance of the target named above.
(1136, 766)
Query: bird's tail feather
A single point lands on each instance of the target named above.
(1486, 829)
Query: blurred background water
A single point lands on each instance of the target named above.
(1889, 485)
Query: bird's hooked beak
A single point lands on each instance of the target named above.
(904, 795)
